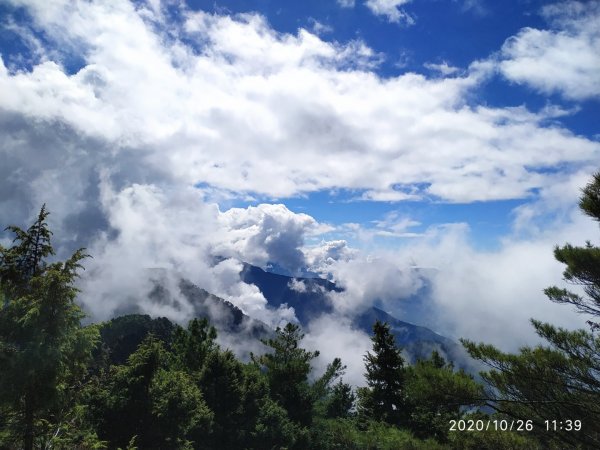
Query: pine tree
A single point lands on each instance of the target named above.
(341, 401)
(559, 381)
(435, 394)
(287, 369)
(382, 400)
(222, 382)
(44, 349)
(192, 346)
(583, 263)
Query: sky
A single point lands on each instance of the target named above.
(385, 144)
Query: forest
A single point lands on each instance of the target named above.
(137, 382)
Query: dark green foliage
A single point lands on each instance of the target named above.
(274, 430)
(383, 399)
(346, 434)
(583, 263)
(590, 200)
(146, 398)
(341, 401)
(27, 257)
(435, 394)
(44, 350)
(561, 380)
(263, 423)
(287, 369)
(193, 345)
(222, 384)
(322, 386)
(121, 336)
(333, 400)
(156, 385)
(546, 383)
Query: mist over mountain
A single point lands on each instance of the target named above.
(237, 330)
(312, 303)
(310, 299)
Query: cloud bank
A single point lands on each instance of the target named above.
(561, 60)
(133, 123)
(232, 105)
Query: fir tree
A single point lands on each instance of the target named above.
(287, 369)
(382, 400)
(44, 349)
(341, 401)
(435, 394)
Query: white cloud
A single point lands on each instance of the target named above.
(475, 6)
(320, 257)
(334, 337)
(266, 233)
(346, 3)
(319, 28)
(247, 297)
(368, 280)
(442, 68)
(394, 224)
(116, 148)
(390, 9)
(297, 285)
(176, 233)
(563, 59)
(247, 111)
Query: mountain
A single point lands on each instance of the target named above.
(235, 329)
(308, 297)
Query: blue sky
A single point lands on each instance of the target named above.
(353, 138)
(455, 33)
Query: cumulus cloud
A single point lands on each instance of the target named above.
(252, 111)
(563, 59)
(127, 143)
(155, 233)
(297, 285)
(390, 9)
(267, 233)
(321, 256)
(491, 296)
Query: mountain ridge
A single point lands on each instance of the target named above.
(311, 301)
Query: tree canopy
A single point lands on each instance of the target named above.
(136, 382)
(560, 380)
(44, 350)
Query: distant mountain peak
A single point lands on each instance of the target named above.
(312, 300)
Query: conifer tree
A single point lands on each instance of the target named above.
(149, 400)
(382, 400)
(341, 400)
(192, 346)
(44, 349)
(583, 263)
(559, 381)
(287, 369)
(222, 382)
(435, 394)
